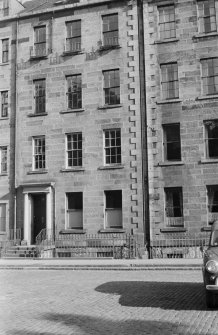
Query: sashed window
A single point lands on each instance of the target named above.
(3, 217)
(112, 87)
(5, 50)
(170, 83)
(40, 41)
(167, 26)
(210, 75)
(4, 103)
(110, 30)
(5, 7)
(172, 142)
(113, 209)
(74, 210)
(112, 147)
(40, 96)
(211, 138)
(212, 194)
(73, 40)
(4, 159)
(207, 16)
(74, 91)
(39, 153)
(74, 149)
(174, 206)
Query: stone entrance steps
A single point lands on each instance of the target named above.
(20, 251)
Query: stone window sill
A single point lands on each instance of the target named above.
(205, 36)
(36, 114)
(4, 118)
(112, 230)
(175, 163)
(209, 161)
(173, 230)
(110, 106)
(207, 97)
(2, 64)
(3, 233)
(111, 167)
(71, 53)
(109, 47)
(38, 57)
(206, 228)
(72, 231)
(170, 40)
(76, 110)
(38, 172)
(170, 101)
(3, 174)
(76, 169)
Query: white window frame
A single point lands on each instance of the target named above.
(1, 50)
(173, 221)
(164, 96)
(6, 203)
(206, 139)
(66, 37)
(105, 210)
(3, 172)
(118, 30)
(164, 127)
(1, 92)
(67, 209)
(159, 33)
(214, 76)
(33, 53)
(66, 148)
(34, 154)
(211, 217)
(216, 17)
(104, 145)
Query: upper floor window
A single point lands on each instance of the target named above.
(172, 142)
(174, 206)
(4, 159)
(74, 91)
(73, 40)
(210, 75)
(5, 50)
(112, 147)
(39, 96)
(167, 26)
(113, 209)
(110, 30)
(74, 210)
(169, 81)
(207, 16)
(211, 138)
(39, 153)
(40, 41)
(74, 149)
(4, 103)
(5, 7)
(112, 87)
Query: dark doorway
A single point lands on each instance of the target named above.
(39, 214)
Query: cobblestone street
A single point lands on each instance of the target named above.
(104, 302)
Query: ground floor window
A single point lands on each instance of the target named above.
(212, 195)
(174, 206)
(3, 217)
(74, 210)
(113, 209)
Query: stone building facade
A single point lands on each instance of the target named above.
(181, 43)
(78, 129)
(8, 10)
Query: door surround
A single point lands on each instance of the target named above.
(29, 190)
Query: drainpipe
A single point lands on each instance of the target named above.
(143, 112)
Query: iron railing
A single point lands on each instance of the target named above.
(174, 246)
(86, 245)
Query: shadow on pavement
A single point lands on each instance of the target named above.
(83, 324)
(165, 295)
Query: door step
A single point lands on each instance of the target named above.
(21, 251)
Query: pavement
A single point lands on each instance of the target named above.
(100, 264)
